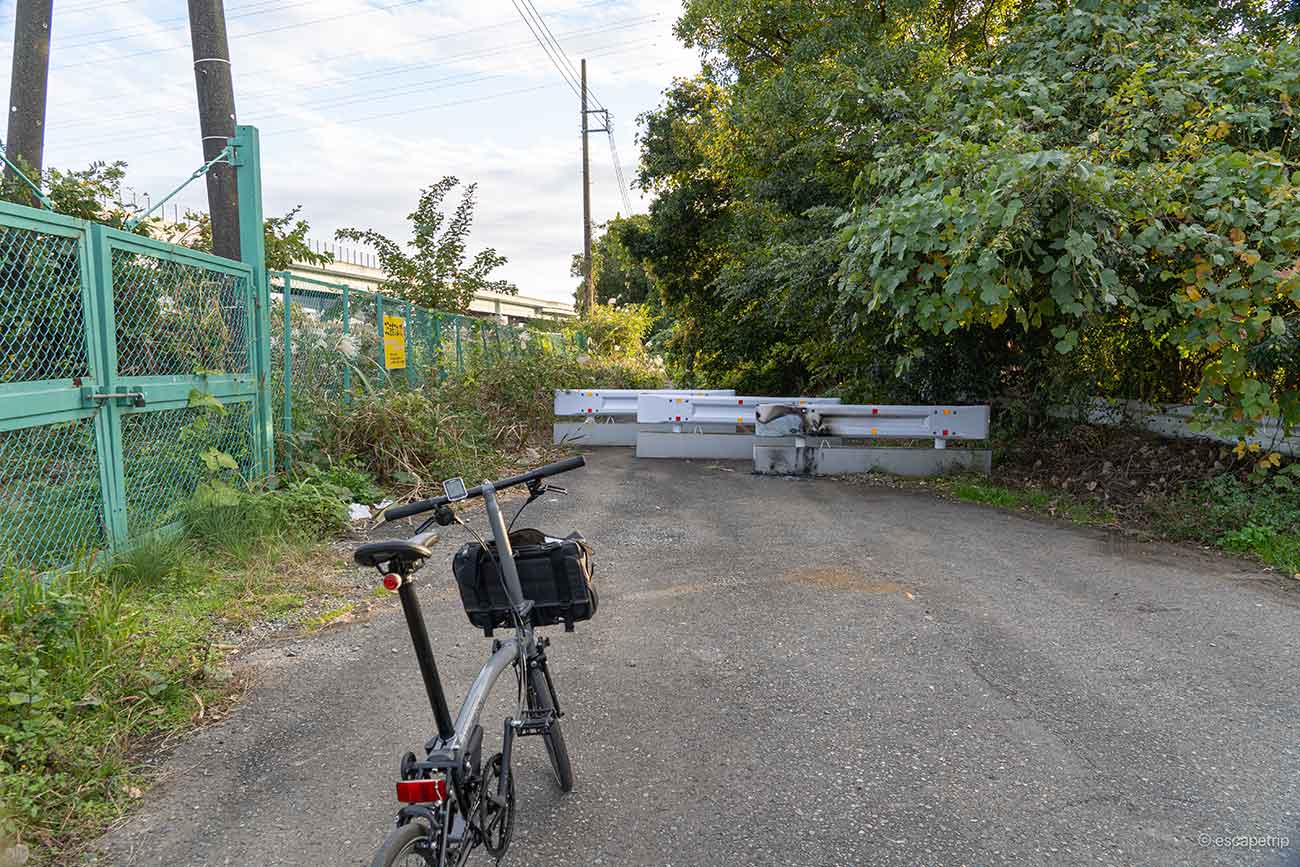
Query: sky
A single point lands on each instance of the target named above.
(360, 103)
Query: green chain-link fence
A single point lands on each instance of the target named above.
(327, 342)
(106, 339)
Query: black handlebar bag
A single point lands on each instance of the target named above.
(554, 573)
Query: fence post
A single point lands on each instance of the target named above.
(410, 347)
(379, 323)
(460, 358)
(347, 330)
(252, 251)
(288, 369)
(437, 347)
(99, 274)
(482, 333)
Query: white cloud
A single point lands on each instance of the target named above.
(363, 102)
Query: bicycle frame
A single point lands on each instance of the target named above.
(521, 648)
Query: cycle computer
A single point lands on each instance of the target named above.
(454, 489)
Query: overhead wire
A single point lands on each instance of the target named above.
(90, 118)
(564, 65)
(114, 34)
(316, 62)
(279, 29)
(406, 111)
(559, 67)
(461, 78)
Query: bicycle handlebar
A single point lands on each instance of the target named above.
(532, 475)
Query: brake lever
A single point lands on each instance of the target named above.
(556, 489)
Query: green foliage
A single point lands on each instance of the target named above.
(285, 238)
(939, 201)
(96, 193)
(435, 274)
(475, 425)
(98, 658)
(83, 666)
(92, 193)
(613, 332)
(619, 276)
(223, 518)
(352, 481)
(1106, 170)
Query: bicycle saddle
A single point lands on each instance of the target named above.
(396, 551)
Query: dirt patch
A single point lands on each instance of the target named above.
(1124, 470)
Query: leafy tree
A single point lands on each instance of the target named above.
(613, 331)
(95, 194)
(285, 238)
(1109, 173)
(619, 277)
(947, 200)
(435, 273)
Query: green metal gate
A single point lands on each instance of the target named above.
(122, 361)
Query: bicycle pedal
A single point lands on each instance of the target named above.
(534, 722)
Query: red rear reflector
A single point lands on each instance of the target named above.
(392, 581)
(421, 791)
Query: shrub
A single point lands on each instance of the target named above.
(471, 425)
(349, 479)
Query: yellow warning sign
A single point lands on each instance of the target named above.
(394, 343)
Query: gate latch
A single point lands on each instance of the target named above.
(88, 393)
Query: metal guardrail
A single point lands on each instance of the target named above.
(615, 401)
(789, 436)
(1171, 420)
(863, 421)
(608, 415)
(714, 409)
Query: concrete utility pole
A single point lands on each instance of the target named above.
(216, 96)
(29, 84)
(586, 200)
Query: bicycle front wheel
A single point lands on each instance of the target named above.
(539, 698)
(399, 848)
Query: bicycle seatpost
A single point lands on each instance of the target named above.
(424, 655)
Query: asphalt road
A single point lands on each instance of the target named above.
(801, 672)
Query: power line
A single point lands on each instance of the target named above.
(269, 133)
(618, 171)
(85, 7)
(421, 40)
(570, 80)
(90, 118)
(256, 9)
(556, 53)
(463, 78)
(280, 29)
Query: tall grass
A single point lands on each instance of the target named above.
(475, 425)
(101, 657)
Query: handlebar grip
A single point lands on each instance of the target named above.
(563, 466)
(396, 514)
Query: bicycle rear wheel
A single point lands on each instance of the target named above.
(399, 848)
(539, 698)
